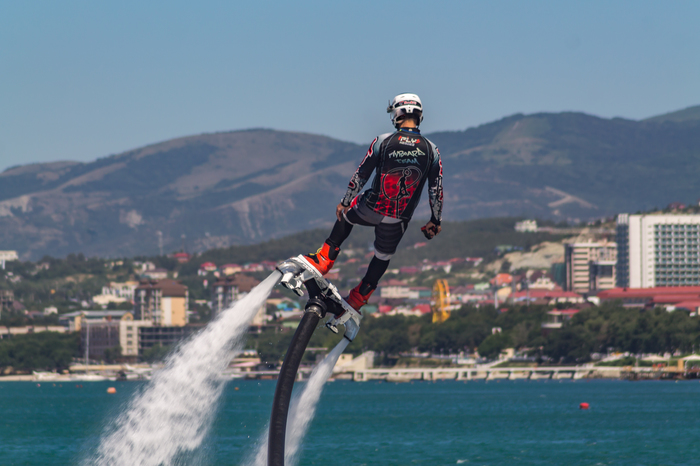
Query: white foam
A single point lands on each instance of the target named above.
(170, 418)
(301, 411)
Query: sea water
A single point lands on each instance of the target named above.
(379, 423)
(302, 409)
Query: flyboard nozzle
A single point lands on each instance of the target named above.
(292, 276)
(297, 271)
(349, 318)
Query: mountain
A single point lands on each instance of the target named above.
(240, 187)
(687, 114)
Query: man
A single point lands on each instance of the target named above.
(402, 162)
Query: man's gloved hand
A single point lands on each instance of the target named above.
(430, 230)
(340, 211)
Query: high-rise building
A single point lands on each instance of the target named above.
(590, 266)
(229, 289)
(660, 250)
(163, 302)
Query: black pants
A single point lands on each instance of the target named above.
(386, 239)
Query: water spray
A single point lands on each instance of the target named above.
(168, 421)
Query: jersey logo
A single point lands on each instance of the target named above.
(398, 186)
(408, 141)
(406, 153)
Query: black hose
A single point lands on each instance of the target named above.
(285, 383)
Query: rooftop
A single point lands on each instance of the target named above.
(169, 288)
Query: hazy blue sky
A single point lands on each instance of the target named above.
(81, 80)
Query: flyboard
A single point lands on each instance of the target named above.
(324, 302)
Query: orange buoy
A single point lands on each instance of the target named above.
(235, 388)
(111, 390)
(583, 406)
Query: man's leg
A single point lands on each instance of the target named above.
(387, 238)
(325, 257)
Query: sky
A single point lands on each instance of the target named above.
(81, 80)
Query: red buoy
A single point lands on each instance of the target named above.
(583, 406)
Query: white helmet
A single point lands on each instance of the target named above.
(404, 104)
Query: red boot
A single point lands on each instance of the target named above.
(359, 295)
(324, 258)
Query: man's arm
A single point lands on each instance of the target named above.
(363, 172)
(435, 196)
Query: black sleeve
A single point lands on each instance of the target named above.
(435, 188)
(362, 174)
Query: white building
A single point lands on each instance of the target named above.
(526, 226)
(7, 256)
(104, 299)
(124, 290)
(658, 250)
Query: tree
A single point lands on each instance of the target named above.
(492, 346)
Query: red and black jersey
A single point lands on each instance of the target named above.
(402, 163)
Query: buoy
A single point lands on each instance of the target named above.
(38, 385)
(235, 388)
(583, 406)
(111, 390)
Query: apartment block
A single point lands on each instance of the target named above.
(129, 334)
(229, 289)
(123, 290)
(659, 250)
(590, 266)
(162, 302)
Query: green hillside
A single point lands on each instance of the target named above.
(471, 238)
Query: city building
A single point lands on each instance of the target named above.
(590, 266)
(162, 335)
(7, 256)
(396, 289)
(230, 288)
(123, 290)
(155, 274)
(526, 226)
(181, 257)
(557, 318)
(545, 297)
(129, 335)
(658, 250)
(230, 269)
(206, 268)
(74, 321)
(8, 332)
(105, 299)
(670, 297)
(163, 302)
(99, 330)
(99, 336)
